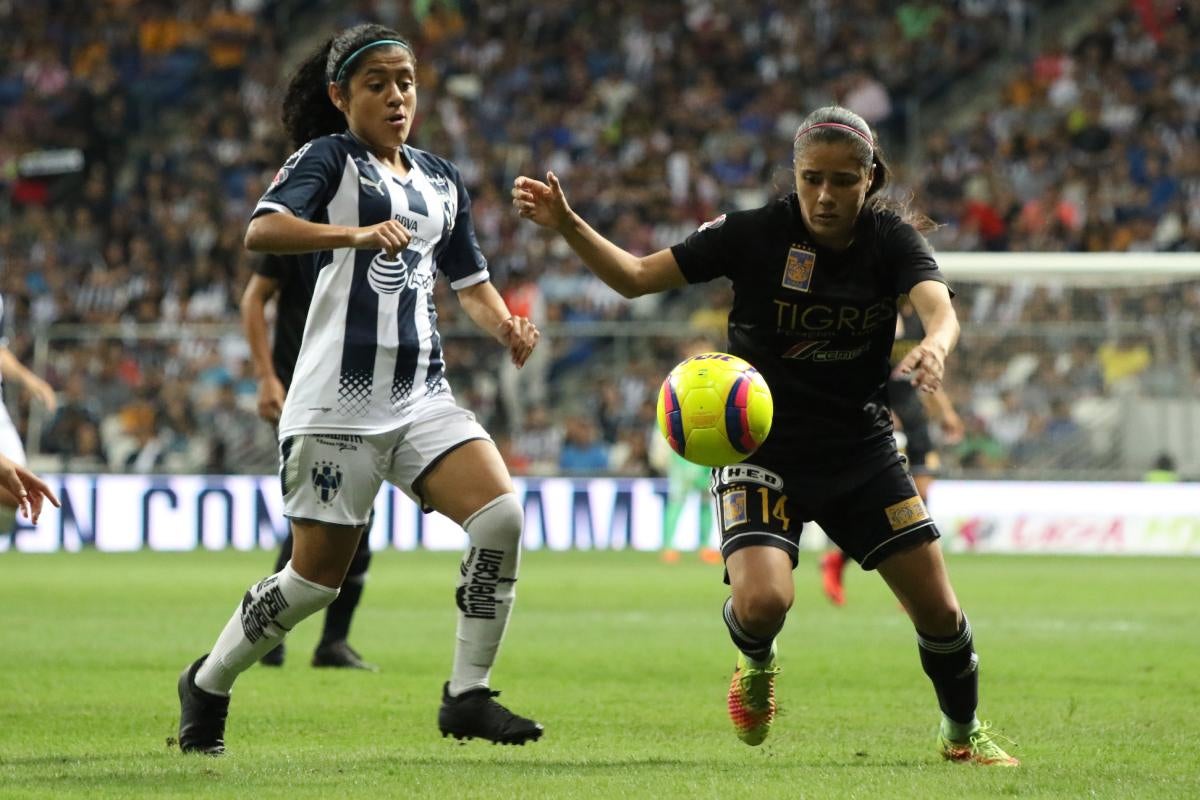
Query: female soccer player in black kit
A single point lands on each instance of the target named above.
(816, 278)
(376, 222)
(287, 279)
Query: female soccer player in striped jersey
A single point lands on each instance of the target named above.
(376, 221)
(816, 276)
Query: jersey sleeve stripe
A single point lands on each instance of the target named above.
(268, 207)
(472, 279)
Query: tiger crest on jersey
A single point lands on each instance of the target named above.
(798, 271)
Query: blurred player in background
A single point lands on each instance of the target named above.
(816, 276)
(376, 221)
(286, 278)
(1163, 471)
(10, 441)
(684, 481)
(912, 411)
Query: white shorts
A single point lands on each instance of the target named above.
(10, 442)
(334, 477)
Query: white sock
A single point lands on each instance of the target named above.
(486, 590)
(754, 662)
(958, 731)
(270, 609)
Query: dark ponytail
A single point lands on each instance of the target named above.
(308, 113)
(838, 124)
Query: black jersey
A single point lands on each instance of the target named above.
(819, 324)
(296, 276)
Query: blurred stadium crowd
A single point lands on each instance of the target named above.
(657, 116)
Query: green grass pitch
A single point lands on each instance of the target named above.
(1092, 665)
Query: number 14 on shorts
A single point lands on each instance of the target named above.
(737, 508)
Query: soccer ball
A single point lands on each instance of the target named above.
(714, 409)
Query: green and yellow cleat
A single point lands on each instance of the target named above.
(980, 748)
(752, 699)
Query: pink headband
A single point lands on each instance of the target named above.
(838, 125)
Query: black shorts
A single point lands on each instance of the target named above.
(869, 522)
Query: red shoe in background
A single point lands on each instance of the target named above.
(832, 566)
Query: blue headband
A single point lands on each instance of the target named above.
(354, 55)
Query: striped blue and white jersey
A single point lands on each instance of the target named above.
(371, 345)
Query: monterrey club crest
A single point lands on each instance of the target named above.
(326, 481)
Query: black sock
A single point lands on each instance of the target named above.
(285, 551)
(952, 666)
(340, 613)
(758, 649)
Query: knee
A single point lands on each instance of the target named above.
(762, 608)
(499, 521)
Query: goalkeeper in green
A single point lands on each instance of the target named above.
(685, 479)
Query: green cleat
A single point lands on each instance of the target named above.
(752, 699)
(980, 748)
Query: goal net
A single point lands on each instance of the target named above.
(1075, 366)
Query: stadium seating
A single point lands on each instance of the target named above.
(656, 120)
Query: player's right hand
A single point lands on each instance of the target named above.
(520, 335)
(389, 236)
(544, 203)
(270, 399)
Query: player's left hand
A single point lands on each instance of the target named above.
(520, 335)
(923, 367)
(28, 489)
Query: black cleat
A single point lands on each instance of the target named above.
(274, 658)
(475, 714)
(201, 715)
(341, 655)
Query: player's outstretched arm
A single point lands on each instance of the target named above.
(925, 364)
(21, 488)
(284, 234)
(546, 204)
